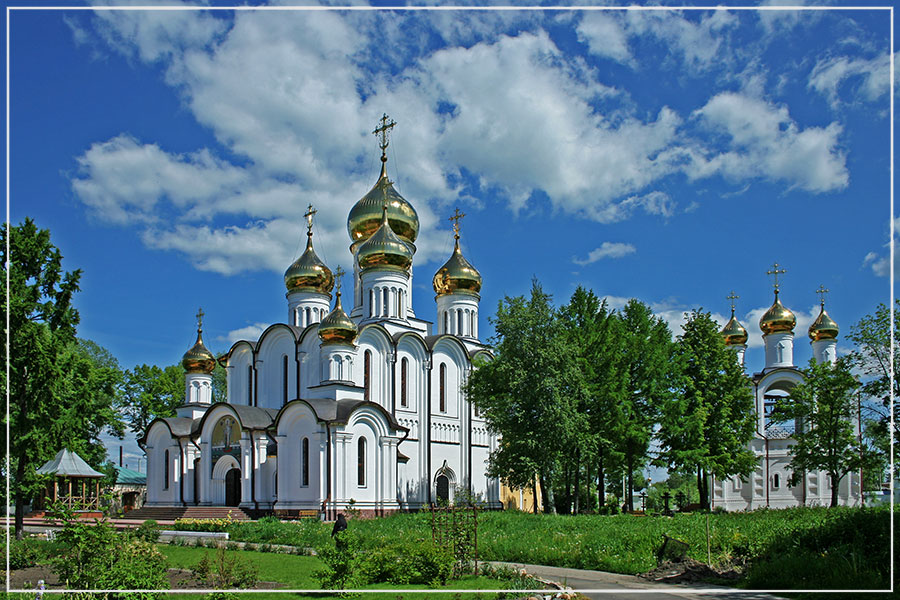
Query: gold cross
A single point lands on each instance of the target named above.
(309, 216)
(455, 218)
(732, 297)
(199, 316)
(821, 292)
(386, 125)
(776, 272)
(338, 273)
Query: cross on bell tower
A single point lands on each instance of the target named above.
(821, 292)
(199, 316)
(338, 275)
(776, 272)
(310, 211)
(456, 218)
(383, 131)
(731, 298)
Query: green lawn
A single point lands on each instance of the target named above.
(296, 572)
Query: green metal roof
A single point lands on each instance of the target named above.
(68, 464)
(128, 477)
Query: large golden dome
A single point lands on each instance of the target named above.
(777, 319)
(365, 216)
(734, 333)
(308, 273)
(336, 327)
(823, 328)
(457, 276)
(384, 249)
(198, 359)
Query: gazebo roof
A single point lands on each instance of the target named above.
(68, 464)
(128, 477)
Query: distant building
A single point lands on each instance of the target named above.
(129, 491)
(768, 485)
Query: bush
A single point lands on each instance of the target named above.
(148, 531)
(226, 570)
(26, 553)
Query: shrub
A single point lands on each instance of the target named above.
(148, 531)
(226, 570)
(342, 562)
(25, 553)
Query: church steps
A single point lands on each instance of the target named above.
(170, 513)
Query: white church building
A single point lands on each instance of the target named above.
(330, 410)
(768, 486)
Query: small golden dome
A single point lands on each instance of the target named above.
(198, 359)
(777, 319)
(336, 327)
(365, 216)
(734, 333)
(308, 273)
(457, 276)
(384, 249)
(823, 328)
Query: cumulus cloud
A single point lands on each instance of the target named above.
(766, 142)
(606, 250)
(870, 76)
(250, 332)
(605, 35)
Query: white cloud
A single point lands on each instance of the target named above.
(872, 77)
(765, 142)
(605, 36)
(606, 250)
(250, 332)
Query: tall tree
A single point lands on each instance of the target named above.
(524, 392)
(645, 373)
(707, 423)
(56, 395)
(825, 408)
(150, 392)
(873, 339)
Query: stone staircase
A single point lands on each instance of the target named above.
(170, 513)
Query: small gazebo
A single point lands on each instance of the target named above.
(75, 483)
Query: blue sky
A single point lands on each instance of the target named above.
(670, 156)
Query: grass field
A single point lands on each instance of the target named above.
(296, 572)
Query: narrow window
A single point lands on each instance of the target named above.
(446, 322)
(459, 322)
(250, 385)
(166, 472)
(385, 295)
(284, 379)
(404, 366)
(367, 374)
(361, 462)
(305, 462)
(400, 312)
(443, 388)
(371, 303)
(776, 481)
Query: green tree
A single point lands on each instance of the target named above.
(524, 393)
(61, 389)
(707, 423)
(150, 392)
(825, 408)
(643, 383)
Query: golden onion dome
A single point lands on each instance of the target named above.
(384, 249)
(365, 216)
(198, 359)
(336, 327)
(823, 328)
(734, 333)
(308, 273)
(457, 276)
(777, 319)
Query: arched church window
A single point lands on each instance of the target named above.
(166, 472)
(459, 322)
(284, 378)
(400, 304)
(442, 394)
(361, 462)
(250, 385)
(367, 374)
(404, 367)
(776, 481)
(446, 322)
(304, 450)
(385, 298)
(371, 303)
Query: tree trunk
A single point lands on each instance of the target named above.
(20, 497)
(601, 480)
(700, 486)
(590, 494)
(577, 479)
(835, 484)
(534, 492)
(547, 488)
(567, 508)
(629, 500)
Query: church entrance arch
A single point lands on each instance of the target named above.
(233, 487)
(443, 489)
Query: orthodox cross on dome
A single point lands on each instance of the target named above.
(383, 132)
(310, 211)
(338, 274)
(821, 292)
(776, 272)
(731, 298)
(199, 316)
(455, 218)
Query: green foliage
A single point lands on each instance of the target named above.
(94, 556)
(151, 392)
(60, 390)
(707, 423)
(26, 552)
(342, 562)
(825, 407)
(148, 531)
(225, 570)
